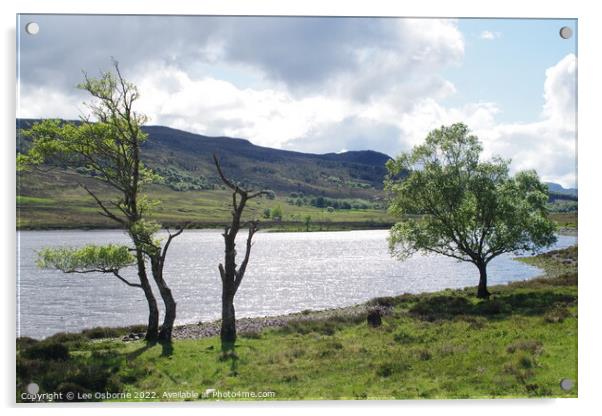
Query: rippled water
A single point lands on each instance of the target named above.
(288, 272)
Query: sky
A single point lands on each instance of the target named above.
(323, 85)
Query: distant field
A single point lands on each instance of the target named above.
(52, 200)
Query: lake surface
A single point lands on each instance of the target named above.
(288, 272)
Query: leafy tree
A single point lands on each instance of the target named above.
(107, 144)
(267, 212)
(89, 259)
(468, 209)
(307, 222)
(277, 213)
(230, 273)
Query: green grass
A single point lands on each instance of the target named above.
(565, 219)
(56, 202)
(448, 344)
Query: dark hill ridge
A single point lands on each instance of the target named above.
(188, 155)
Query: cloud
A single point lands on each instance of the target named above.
(549, 144)
(309, 84)
(487, 35)
(299, 53)
(272, 80)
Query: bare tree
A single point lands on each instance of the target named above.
(230, 273)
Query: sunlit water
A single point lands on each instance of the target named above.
(288, 272)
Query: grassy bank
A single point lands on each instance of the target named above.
(520, 343)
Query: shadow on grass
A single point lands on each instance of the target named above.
(534, 303)
(131, 356)
(166, 349)
(55, 369)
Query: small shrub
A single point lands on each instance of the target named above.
(475, 322)
(441, 307)
(526, 361)
(556, 315)
(69, 339)
(70, 387)
(251, 334)
(403, 337)
(530, 346)
(424, 355)
(492, 307)
(47, 350)
(387, 369)
(25, 342)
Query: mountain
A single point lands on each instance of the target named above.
(555, 188)
(185, 160)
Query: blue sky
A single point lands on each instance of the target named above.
(510, 68)
(323, 84)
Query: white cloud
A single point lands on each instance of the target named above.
(487, 35)
(547, 145)
(310, 86)
(48, 102)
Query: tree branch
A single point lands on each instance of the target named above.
(222, 176)
(256, 194)
(243, 266)
(114, 271)
(117, 275)
(107, 213)
(168, 242)
(222, 272)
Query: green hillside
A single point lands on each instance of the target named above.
(337, 190)
(344, 188)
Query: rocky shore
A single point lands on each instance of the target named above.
(253, 326)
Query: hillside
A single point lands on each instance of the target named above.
(304, 184)
(185, 160)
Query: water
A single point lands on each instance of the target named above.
(288, 272)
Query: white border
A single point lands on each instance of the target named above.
(590, 156)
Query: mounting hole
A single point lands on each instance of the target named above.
(32, 28)
(566, 384)
(33, 388)
(566, 32)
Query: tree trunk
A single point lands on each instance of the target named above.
(228, 330)
(482, 292)
(170, 311)
(168, 300)
(153, 311)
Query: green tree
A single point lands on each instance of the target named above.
(307, 222)
(277, 213)
(452, 203)
(107, 144)
(89, 259)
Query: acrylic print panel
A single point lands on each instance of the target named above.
(295, 208)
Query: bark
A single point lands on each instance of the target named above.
(170, 307)
(230, 275)
(153, 311)
(482, 291)
(228, 329)
(158, 261)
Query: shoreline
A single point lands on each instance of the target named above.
(252, 326)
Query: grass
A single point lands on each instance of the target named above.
(59, 204)
(52, 200)
(448, 344)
